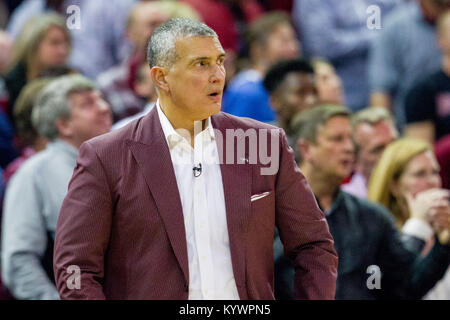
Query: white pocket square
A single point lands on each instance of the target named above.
(259, 196)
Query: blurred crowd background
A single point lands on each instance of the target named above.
(386, 61)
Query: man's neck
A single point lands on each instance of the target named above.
(71, 142)
(180, 122)
(261, 67)
(285, 124)
(363, 171)
(323, 186)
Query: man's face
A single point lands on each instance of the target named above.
(371, 141)
(197, 78)
(90, 116)
(329, 85)
(333, 152)
(282, 44)
(296, 93)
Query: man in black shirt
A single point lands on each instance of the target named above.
(427, 105)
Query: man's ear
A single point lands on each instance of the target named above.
(274, 101)
(304, 148)
(64, 127)
(256, 52)
(158, 75)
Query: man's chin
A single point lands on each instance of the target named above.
(214, 109)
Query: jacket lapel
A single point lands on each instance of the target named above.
(236, 179)
(152, 155)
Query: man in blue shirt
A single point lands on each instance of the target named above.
(270, 39)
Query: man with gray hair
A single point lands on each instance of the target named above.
(68, 112)
(373, 131)
(147, 217)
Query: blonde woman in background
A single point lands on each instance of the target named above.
(406, 181)
(43, 43)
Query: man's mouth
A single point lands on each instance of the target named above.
(346, 162)
(215, 96)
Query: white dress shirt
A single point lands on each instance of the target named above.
(203, 203)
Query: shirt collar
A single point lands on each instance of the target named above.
(337, 201)
(173, 137)
(61, 145)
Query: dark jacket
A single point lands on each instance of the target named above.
(15, 80)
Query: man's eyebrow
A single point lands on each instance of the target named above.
(222, 55)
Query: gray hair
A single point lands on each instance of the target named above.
(371, 116)
(161, 48)
(53, 103)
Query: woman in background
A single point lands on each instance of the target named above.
(43, 43)
(406, 181)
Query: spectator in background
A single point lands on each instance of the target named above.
(405, 51)
(329, 85)
(373, 131)
(427, 104)
(285, 5)
(30, 140)
(144, 88)
(407, 182)
(118, 84)
(7, 150)
(442, 151)
(292, 89)
(101, 43)
(220, 16)
(68, 112)
(2, 190)
(269, 39)
(6, 45)
(338, 32)
(364, 233)
(31, 8)
(43, 42)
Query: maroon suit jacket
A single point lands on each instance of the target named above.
(122, 223)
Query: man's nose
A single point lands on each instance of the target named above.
(349, 145)
(103, 106)
(218, 73)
